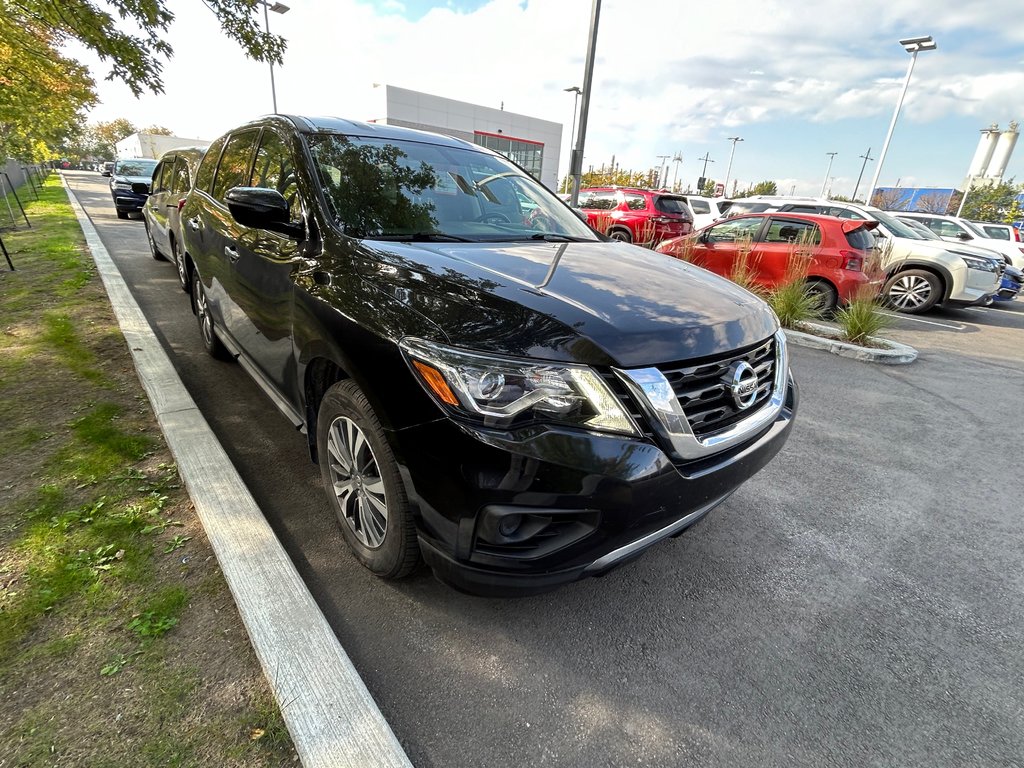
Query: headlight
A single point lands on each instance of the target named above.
(982, 265)
(501, 390)
(122, 185)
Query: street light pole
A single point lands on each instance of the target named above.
(588, 81)
(866, 156)
(662, 169)
(913, 46)
(831, 157)
(675, 176)
(276, 8)
(572, 135)
(728, 170)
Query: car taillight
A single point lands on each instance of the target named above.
(852, 260)
(1016, 233)
(181, 204)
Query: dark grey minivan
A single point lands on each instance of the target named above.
(173, 178)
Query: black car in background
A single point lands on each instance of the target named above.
(129, 184)
(172, 181)
(484, 380)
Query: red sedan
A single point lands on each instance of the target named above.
(837, 251)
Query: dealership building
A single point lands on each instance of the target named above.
(530, 142)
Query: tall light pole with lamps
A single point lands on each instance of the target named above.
(276, 8)
(728, 169)
(572, 134)
(831, 157)
(913, 46)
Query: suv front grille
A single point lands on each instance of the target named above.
(704, 396)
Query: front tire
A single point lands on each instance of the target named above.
(211, 343)
(622, 235)
(361, 477)
(122, 214)
(912, 291)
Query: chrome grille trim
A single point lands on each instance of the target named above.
(657, 398)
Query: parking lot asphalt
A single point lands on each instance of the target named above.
(858, 602)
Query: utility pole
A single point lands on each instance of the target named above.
(675, 176)
(866, 156)
(728, 170)
(588, 80)
(831, 157)
(704, 173)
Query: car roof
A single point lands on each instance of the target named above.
(323, 124)
(847, 225)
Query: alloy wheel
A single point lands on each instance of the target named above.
(909, 292)
(205, 323)
(357, 483)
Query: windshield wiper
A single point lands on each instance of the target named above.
(421, 237)
(554, 238)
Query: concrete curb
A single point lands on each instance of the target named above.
(894, 353)
(333, 720)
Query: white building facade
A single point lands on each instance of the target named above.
(529, 141)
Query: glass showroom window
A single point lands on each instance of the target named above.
(527, 154)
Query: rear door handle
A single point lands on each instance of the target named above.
(231, 253)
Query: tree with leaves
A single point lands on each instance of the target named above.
(43, 93)
(994, 202)
(765, 187)
(708, 190)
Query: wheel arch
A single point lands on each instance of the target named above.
(936, 269)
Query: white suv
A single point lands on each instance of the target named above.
(920, 273)
(954, 229)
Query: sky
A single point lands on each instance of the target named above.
(794, 80)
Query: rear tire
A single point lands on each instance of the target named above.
(211, 343)
(912, 291)
(363, 484)
(826, 297)
(179, 264)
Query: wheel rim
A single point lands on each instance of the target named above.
(910, 292)
(820, 295)
(621, 236)
(182, 275)
(356, 481)
(205, 323)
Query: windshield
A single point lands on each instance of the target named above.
(396, 189)
(974, 229)
(135, 167)
(897, 227)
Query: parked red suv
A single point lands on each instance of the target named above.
(636, 215)
(840, 248)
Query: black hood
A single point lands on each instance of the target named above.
(594, 302)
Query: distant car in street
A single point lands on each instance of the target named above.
(129, 184)
(107, 168)
(838, 251)
(173, 178)
(635, 215)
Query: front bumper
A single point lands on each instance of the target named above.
(128, 201)
(595, 501)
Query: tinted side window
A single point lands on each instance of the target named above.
(601, 201)
(204, 177)
(700, 206)
(181, 181)
(731, 231)
(998, 233)
(789, 231)
(157, 174)
(667, 204)
(802, 208)
(274, 169)
(233, 170)
(636, 202)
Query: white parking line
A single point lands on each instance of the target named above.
(957, 327)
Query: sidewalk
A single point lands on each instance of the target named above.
(330, 714)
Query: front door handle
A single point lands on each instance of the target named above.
(194, 223)
(231, 252)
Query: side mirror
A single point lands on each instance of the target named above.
(140, 188)
(105, 173)
(263, 209)
(964, 236)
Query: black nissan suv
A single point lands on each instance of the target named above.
(484, 380)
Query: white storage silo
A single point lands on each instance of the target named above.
(983, 154)
(1003, 152)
